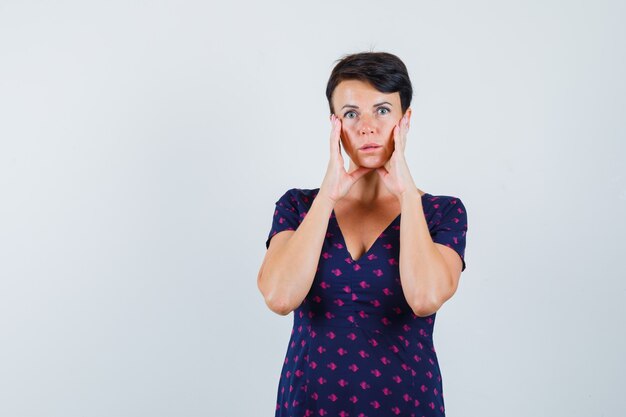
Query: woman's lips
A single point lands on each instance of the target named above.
(370, 148)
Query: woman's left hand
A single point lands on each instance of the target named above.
(395, 173)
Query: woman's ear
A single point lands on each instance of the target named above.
(407, 113)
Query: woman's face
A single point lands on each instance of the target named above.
(367, 116)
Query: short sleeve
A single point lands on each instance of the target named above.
(451, 228)
(286, 214)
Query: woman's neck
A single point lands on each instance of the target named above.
(369, 188)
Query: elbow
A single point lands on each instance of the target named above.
(425, 307)
(276, 303)
(425, 312)
(279, 307)
(271, 301)
(282, 304)
(429, 303)
(276, 297)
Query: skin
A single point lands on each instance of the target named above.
(375, 176)
(429, 272)
(376, 180)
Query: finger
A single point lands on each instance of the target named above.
(357, 173)
(357, 169)
(337, 138)
(406, 125)
(402, 130)
(406, 131)
(334, 136)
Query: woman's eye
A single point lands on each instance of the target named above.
(347, 113)
(386, 110)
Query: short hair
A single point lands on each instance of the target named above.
(384, 71)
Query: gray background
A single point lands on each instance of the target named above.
(144, 144)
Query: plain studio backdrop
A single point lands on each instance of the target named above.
(144, 145)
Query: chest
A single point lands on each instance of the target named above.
(361, 227)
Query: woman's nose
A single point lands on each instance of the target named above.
(366, 127)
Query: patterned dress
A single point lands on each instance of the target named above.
(356, 347)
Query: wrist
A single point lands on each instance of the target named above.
(410, 194)
(324, 199)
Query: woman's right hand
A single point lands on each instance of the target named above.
(337, 181)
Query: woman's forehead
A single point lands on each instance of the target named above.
(357, 92)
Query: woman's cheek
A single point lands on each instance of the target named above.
(345, 138)
(344, 142)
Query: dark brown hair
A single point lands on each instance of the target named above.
(384, 71)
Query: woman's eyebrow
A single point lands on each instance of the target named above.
(375, 105)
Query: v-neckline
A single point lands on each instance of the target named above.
(373, 245)
(343, 239)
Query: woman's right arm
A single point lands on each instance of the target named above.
(291, 260)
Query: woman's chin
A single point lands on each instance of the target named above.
(372, 163)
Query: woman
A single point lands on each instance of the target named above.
(364, 261)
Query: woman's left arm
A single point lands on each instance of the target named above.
(429, 271)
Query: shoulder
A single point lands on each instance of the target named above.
(441, 202)
(302, 193)
(298, 198)
(442, 208)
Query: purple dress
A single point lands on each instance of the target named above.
(356, 347)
